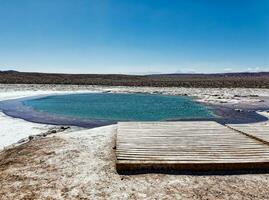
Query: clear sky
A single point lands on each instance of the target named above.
(134, 36)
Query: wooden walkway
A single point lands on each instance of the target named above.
(194, 146)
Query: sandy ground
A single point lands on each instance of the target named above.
(81, 164)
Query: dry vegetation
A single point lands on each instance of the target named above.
(247, 80)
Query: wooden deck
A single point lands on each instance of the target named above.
(194, 146)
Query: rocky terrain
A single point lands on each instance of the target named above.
(229, 80)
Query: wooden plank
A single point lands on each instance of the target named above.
(259, 131)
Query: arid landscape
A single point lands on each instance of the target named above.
(134, 100)
(229, 80)
(80, 163)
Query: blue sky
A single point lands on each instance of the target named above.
(134, 36)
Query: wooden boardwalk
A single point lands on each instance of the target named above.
(198, 146)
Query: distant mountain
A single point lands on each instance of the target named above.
(9, 71)
(231, 74)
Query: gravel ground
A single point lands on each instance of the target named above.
(81, 165)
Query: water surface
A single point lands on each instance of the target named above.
(109, 106)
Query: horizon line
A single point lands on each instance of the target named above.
(143, 74)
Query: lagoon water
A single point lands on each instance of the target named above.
(109, 106)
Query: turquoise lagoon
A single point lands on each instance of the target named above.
(121, 107)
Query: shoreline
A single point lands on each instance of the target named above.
(15, 108)
(246, 99)
(225, 113)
